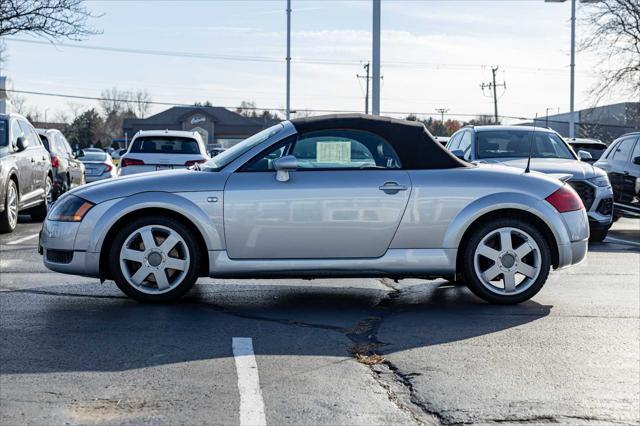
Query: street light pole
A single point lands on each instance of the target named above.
(288, 112)
(375, 59)
(572, 120)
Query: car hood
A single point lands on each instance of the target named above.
(556, 166)
(166, 181)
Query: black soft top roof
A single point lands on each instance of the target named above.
(412, 142)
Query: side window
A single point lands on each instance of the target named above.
(455, 141)
(29, 133)
(622, 151)
(60, 147)
(16, 132)
(465, 145)
(344, 149)
(636, 150)
(263, 162)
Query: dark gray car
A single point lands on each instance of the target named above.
(26, 178)
(68, 172)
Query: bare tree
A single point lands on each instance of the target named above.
(51, 19)
(140, 100)
(4, 57)
(115, 100)
(615, 38)
(19, 104)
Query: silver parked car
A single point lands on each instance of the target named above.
(333, 196)
(511, 145)
(98, 165)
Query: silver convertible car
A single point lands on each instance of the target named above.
(331, 196)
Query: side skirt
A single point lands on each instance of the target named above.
(394, 263)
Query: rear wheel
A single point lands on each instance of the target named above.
(506, 261)
(39, 213)
(155, 259)
(9, 217)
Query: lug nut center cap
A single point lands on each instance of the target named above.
(508, 260)
(154, 259)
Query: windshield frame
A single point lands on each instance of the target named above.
(231, 154)
(569, 150)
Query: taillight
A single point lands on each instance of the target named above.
(124, 162)
(565, 200)
(55, 162)
(107, 167)
(192, 162)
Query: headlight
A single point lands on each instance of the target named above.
(600, 181)
(70, 209)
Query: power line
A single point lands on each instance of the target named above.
(273, 59)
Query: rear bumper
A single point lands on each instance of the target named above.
(572, 254)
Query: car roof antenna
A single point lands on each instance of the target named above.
(528, 169)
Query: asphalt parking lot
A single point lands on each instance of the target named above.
(74, 351)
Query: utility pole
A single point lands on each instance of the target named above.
(375, 101)
(442, 112)
(366, 96)
(288, 112)
(493, 86)
(572, 119)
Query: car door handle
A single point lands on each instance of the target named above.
(33, 160)
(392, 187)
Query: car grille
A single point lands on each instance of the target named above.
(585, 191)
(605, 207)
(59, 256)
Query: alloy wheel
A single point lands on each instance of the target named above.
(12, 205)
(154, 259)
(507, 261)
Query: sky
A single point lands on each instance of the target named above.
(435, 54)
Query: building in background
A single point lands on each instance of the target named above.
(219, 127)
(604, 122)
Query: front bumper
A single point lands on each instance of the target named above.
(598, 200)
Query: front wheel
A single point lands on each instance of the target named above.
(506, 261)
(155, 259)
(597, 235)
(9, 217)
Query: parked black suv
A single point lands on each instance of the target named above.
(26, 179)
(68, 172)
(621, 161)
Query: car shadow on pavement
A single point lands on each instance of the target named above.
(95, 328)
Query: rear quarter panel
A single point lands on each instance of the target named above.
(444, 203)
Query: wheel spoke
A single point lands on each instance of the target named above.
(509, 281)
(178, 264)
(147, 239)
(491, 273)
(488, 252)
(140, 275)
(524, 250)
(169, 243)
(134, 255)
(505, 240)
(161, 279)
(527, 270)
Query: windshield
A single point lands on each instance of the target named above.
(165, 145)
(92, 156)
(226, 157)
(515, 143)
(4, 133)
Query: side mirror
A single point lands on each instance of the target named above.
(584, 156)
(636, 160)
(22, 144)
(283, 166)
(458, 153)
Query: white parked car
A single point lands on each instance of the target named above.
(153, 150)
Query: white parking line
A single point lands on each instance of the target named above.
(23, 239)
(621, 241)
(251, 403)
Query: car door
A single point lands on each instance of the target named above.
(631, 179)
(345, 200)
(618, 160)
(23, 163)
(75, 177)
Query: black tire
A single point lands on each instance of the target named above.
(475, 284)
(5, 221)
(39, 213)
(597, 235)
(192, 271)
